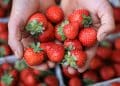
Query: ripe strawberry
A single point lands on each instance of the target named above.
(59, 34)
(117, 14)
(107, 72)
(55, 52)
(37, 23)
(67, 74)
(117, 43)
(96, 63)
(5, 50)
(6, 66)
(47, 35)
(2, 12)
(71, 30)
(117, 69)
(55, 14)
(1, 72)
(34, 55)
(75, 59)
(72, 44)
(116, 56)
(51, 80)
(90, 77)
(88, 37)
(115, 84)
(104, 52)
(75, 81)
(3, 27)
(82, 16)
(3, 37)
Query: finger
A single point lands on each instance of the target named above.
(51, 64)
(105, 13)
(14, 39)
(90, 54)
(41, 67)
(71, 70)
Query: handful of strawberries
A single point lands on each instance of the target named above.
(60, 40)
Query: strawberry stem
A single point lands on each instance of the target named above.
(87, 20)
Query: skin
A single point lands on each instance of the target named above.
(101, 13)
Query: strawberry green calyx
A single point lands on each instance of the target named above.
(36, 47)
(60, 29)
(70, 60)
(2, 52)
(88, 82)
(87, 21)
(6, 1)
(34, 27)
(70, 47)
(7, 79)
(105, 44)
(20, 65)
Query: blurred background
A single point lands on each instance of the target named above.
(17, 73)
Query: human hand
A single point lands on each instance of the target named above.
(102, 16)
(18, 38)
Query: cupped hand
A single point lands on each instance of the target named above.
(18, 38)
(102, 16)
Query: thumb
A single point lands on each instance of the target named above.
(105, 14)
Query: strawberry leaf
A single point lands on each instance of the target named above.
(87, 20)
(88, 82)
(2, 51)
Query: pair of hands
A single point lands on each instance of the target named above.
(101, 13)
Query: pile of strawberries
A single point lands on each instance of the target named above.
(59, 39)
(20, 75)
(4, 48)
(104, 66)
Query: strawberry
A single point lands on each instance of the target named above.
(51, 80)
(71, 30)
(75, 81)
(36, 24)
(117, 14)
(88, 37)
(1, 72)
(5, 50)
(3, 27)
(55, 52)
(2, 12)
(34, 55)
(59, 34)
(116, 56)
(115, 84)
(3, 37)
(55, 14)
(6, 66)
(67, 74)
(117, 43)
(81, 16)
(104, 52)
(47, 35)
(90, 77)
(75, 58)
(96, 63)
(72, 44)
(107, 72)
(117, 69)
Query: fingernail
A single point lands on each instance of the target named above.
(17, 55)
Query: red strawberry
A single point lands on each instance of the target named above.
(75, 58)
(82, 16)
(115, 84)
(104, 52)
(47, 35)
(5, 50)
(71, 30)
(51, 80)
(117, 14)
(117, 43)
(3, 37)
(116, 56)
(55, 52)
(6, 66)
(59, 34)
(3, 27)
(1, 72)
(90, 76)
(2, 12)
(72, 44)
(117, 69)
(96, 63)
(55, 14)
(37, 23)
(107, 72)
(34, 56)
(88, 37)
(75, 81)
(67, 74)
